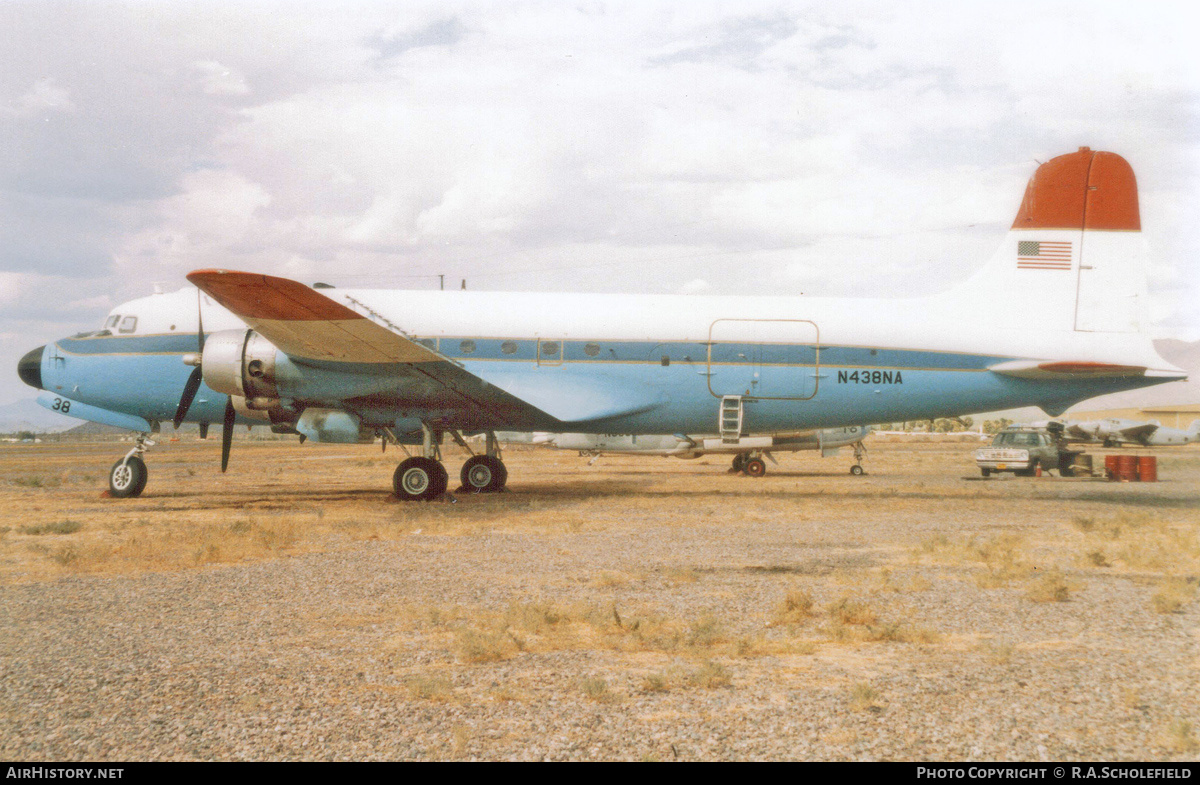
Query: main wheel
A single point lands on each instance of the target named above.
(985, 472)
(856, 470)
(739, 462)
(483, 474)
(754, 467)
(127, 478)
(419, 479)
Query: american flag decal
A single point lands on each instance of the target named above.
(1043, 255)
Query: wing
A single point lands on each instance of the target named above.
(1138, 433)
(1075, 432)
(317, 330)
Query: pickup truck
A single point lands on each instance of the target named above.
(1021, 449)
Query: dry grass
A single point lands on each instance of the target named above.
(864, 697)
(1174, 594)
(795, 608)
(1049, 586)
(1180, 737)
(851, 578)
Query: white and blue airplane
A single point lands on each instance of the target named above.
(1058, 315)
(747, 451)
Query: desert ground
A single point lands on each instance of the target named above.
(635, 609)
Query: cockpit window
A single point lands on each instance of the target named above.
(111, 322)
(128, 324)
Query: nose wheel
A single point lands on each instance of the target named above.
(127, 477)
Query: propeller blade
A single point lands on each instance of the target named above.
(227, 434)
(203, 430)
(200, 323)
(189, 392)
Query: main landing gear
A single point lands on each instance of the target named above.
(749, 464)
(424, 478)
(127, 478)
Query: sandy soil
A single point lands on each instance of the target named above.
(640, 608)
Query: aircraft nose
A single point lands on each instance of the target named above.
(30, 367)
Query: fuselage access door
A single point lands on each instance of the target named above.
(771, 359)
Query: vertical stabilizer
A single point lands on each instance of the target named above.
(1074, 258)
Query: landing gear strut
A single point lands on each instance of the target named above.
(127, 478)
(859, 452)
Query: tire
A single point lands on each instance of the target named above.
(483, 474)
(856, 470)
(754, 467)
(986, 472)
(127, 478)
(419, 479)
(739, 462)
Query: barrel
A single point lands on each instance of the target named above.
(1127, 468)
(1148, 468)
(1110, 466)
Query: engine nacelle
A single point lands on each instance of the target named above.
(241, 363)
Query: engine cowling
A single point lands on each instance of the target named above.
(241, 363)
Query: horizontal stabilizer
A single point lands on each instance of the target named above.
(1060, 369)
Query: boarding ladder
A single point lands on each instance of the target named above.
(729, 421)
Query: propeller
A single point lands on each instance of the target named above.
(227, 433)
(197, 374)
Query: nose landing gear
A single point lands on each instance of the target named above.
(127, 478)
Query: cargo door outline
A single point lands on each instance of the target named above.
(743, 352)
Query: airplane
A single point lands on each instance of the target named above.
(748, 451)
(1065, 321)
(1112, 431)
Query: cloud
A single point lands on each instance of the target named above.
(44, 96)
(760, 147)
(218, 79)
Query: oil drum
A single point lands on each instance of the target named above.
(1148, 468)
(1110, 467)
(1127, 468)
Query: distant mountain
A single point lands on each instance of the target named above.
(26, 415)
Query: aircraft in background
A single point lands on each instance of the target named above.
(748, 451)
(1112, 431)
(1064, 321)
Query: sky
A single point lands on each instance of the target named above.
(743, 148)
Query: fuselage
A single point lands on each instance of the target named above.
(667, 361)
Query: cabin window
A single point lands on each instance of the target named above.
(549, 348)
(128, 324)
(467, 346)
(429, 343)
(591, 349)
(509, 347)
